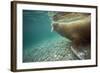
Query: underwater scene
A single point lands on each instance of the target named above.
(56, 36)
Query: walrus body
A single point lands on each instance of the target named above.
(77, 29)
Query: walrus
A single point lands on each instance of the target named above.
(74, 26)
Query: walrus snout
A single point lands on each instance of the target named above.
(54, 27)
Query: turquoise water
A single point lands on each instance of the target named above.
(36, 27)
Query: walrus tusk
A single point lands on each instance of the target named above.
(52, 29)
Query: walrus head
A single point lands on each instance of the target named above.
(57, 27)
(73, 26)
(73, 19)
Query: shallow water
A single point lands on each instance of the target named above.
(51, 49)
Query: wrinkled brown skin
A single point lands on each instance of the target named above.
(79, 31)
